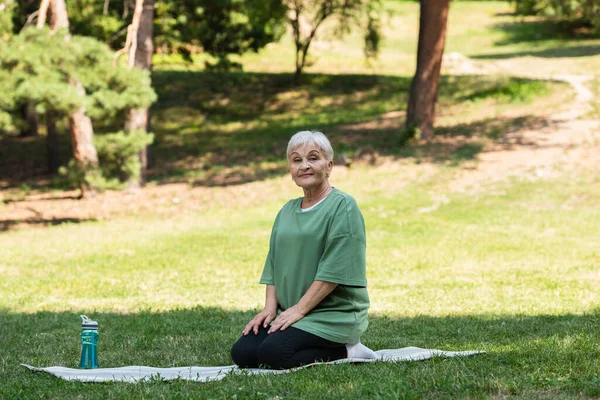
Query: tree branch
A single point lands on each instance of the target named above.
(29, 19)
(131, 39)
(42, 13)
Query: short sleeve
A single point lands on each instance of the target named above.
(344, 258)
(268, 274)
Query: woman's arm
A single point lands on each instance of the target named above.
(266, 315)
(313, 296)
(271, 299)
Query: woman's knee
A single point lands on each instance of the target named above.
(273, 355)
(244, 356)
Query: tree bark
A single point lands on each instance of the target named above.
(82, 133)
(425, 84)
(52, 143)
(140, 56)
(42, 12)
(58, 15)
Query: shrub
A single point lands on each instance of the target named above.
(118, 154)
(119, 163)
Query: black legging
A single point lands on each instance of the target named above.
(284, 349)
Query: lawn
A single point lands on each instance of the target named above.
(509, 266)
(513, 271)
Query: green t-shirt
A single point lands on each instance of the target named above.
(326, 243)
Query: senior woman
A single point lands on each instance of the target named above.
(315, 273)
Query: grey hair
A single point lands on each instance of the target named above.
(314, 137)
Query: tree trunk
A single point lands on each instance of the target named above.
(82, 133)
(42, 12)
(58, 15)
(425, 84)
(52, 143)
(32, 120)
(140, 56)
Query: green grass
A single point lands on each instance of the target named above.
(513, 271)
(511, 268)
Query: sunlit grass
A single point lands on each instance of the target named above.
(513, 271)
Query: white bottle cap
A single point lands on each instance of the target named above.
(87, 323)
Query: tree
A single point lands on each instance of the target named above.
(220, 28)
(140, 51)
(80, 124)
(424, 89)
(40, 66)
(305, 17)
(58, 20)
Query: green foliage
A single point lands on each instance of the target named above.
(372, 36)
(39, 66)
(87, 18)
(82, 176)
(307, 16)
(220, 28)
(118, 154)
(581, 12)
(6, 23)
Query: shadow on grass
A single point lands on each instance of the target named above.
(538, 29)
(9, 224)
(525, 353)
(562, 34)
(224, 129)
(219, 129)
(457, 143)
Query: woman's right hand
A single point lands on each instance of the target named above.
(263, 318)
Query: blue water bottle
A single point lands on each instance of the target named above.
(89, 343)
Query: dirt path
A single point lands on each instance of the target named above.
(566, 140)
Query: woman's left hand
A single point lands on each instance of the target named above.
(286, 319)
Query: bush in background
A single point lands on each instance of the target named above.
(581, 12)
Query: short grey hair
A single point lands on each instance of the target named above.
(314, 137)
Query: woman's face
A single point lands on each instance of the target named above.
(309, 166)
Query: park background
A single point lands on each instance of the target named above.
(484, 236)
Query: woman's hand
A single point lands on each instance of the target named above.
(287, 318)
(263, 318)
